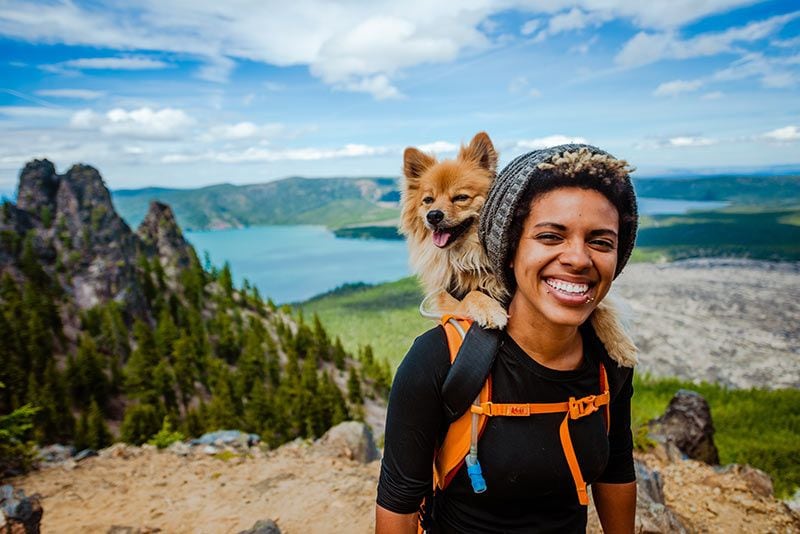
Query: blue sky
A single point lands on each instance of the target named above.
(189, 93)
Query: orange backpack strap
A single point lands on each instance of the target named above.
(456, 443)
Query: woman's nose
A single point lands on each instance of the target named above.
(576, 255)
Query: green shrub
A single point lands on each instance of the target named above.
(16, 452)
(166, 436)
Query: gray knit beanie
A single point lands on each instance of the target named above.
(537, 172)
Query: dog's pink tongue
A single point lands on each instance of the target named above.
(440, 238)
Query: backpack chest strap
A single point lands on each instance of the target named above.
(575, 408)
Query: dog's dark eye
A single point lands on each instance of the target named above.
(460, 198)
(427, 200)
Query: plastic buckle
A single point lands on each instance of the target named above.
(484, 408)
(581, 407)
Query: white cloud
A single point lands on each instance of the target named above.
(530, 27)
(378, 86)
(354, 46)
(583, 48)
(439, 147)
(645, 48)
(32, 112)
(677, 87)
(115, 63)
(784, 135)
(688, 141)
(216, 69)
(79, 94)
(772, 71)
(714, 95)
(574, 19)
(546, 142)
(786, 43)
(244, 130)
(142, 123)
(258, 154)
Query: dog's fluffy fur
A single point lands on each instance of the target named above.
(446, 198)
(453, 268)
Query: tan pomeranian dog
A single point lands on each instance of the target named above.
(441, 204)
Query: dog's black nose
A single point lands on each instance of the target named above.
(435, 216)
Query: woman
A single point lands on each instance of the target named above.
(558, 226)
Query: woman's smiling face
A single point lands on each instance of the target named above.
(566, 258)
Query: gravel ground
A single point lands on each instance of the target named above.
(734, 322)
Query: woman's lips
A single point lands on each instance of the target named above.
(572, 293)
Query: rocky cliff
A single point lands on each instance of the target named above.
(80, 240)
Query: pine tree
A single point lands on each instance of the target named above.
(82, 433)
(185, 368)
(97, 433)
(252, 364)
(334, 407)
(139, 369)
(339, 354)
(141, 421)
(354, 394)
(166, 334)
(89, 380)
(226, 280)
(164, 383)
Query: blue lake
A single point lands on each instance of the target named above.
(293, 263)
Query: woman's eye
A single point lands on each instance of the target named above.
(603, 244)
(548, 237)
(427, 200)
(460, 198)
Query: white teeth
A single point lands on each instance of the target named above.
(567, 287)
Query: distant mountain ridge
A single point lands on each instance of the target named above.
(347, 202)
(333, 202)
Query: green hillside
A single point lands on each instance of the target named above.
(740, 231)
(736, 189)
(332, 202)
(385, 316)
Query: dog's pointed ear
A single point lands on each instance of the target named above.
(480, 150)
(415, 163)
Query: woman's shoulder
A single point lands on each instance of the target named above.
(428, 356)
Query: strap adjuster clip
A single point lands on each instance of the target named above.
(581, 407)
(484, 408)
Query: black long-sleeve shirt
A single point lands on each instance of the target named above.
(530, 488)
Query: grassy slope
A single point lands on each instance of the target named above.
(384, 316)
(758, 427)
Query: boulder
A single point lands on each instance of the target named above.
(263, 526)
(687, 425)
(652, 514)
(55, 453)
(351, 439)
(234, 438)
(19, 514)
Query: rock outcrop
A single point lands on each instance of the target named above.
(19, 514)
(162, 237)
(687, 425)
(352, 440)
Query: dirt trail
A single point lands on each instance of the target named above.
(303, 491)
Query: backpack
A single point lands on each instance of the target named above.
(466, 394)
